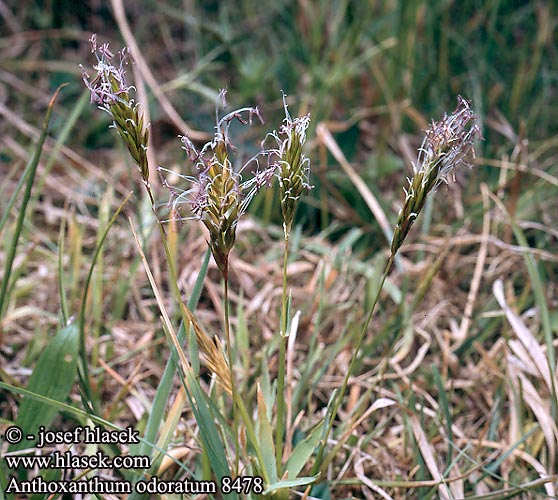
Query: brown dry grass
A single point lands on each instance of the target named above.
(443, 307)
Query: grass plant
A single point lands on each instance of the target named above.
(265, 312)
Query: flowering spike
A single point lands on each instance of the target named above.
(218, 196)
(293, 168)
(111, 92)
(446, 145)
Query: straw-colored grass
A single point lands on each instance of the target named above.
(444, 388)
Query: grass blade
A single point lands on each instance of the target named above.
(84, 374)
(53, 378)
(209, 434)
(303, 451)
(290, 483)
(540, 300)
(265, 435)
(26, 197)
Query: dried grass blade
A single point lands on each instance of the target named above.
(329, 142)
(160, 462)
(540, 301)
(479, 267)
(359, 469)
(542, 412)
(187, 369)
(533, 348)
(428, 455)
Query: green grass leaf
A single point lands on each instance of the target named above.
(265, 436)
(165, 385)
(53, 378)
(303, 451)
(29, 175)
(209, 433)
(290, 483)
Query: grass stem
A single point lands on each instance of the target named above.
(317, 464)
(230, 359)
(281, 367)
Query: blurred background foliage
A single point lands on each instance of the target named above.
(376, 72)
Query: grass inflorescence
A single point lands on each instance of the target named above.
(447, 145)
(251, 332)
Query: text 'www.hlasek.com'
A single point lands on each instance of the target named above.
(90, 467)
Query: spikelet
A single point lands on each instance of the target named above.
(212, 354)
(219, 196)
(446, 145)
(110, 91)
(218, 204)
(293, 168)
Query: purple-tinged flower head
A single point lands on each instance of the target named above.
(447, 144)
(109, 84)
(111, 92)
(219, 196)
(293, 167)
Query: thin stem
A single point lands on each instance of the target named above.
(230, 359)
(360, 341)
(281, 367)
(238, 403)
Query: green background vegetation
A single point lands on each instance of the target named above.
(375, 74)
